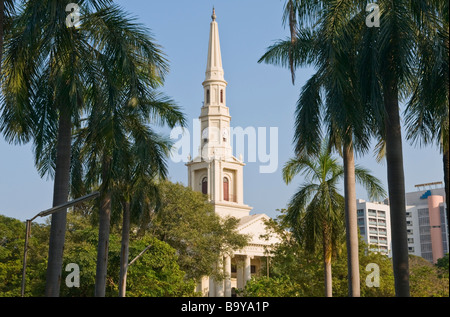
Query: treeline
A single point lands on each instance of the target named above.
(181, 243)
(295, 272)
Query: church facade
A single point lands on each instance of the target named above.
(218, 174)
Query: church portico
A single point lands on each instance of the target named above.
(237, 270)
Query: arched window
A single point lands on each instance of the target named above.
(208, 96)
(221, 96)
(226, 189)
(205, 186)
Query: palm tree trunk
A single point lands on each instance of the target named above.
(327, 265)
(396, 185)
(351, 221)
(2, 22)
(124, 249)
(293, 32)
(447, 196)
(103, 244)
(60, 196)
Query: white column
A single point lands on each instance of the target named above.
(219, 284)
(227, 276)
(240, 274)
(247, 269)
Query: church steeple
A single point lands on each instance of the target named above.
(215, 171)
(215, 115)
(214, 70)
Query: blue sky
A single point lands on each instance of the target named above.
(258, 95)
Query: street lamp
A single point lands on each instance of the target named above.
(44, 214)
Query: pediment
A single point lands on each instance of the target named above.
(254, 225)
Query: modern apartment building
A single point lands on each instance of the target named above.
(374, 224)
(426, 220)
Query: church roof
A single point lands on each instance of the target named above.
(248, 220)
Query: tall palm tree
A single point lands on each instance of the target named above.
(427, 112)
(316, 211)
(385, 64)
(122, 107)
(388, 61)
(330, 46)
(140, 197)
(45, 71)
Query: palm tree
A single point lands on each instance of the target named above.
(120, 146)
(330, 47)
(385, 63)
(140, 197)
(7, 9)
(427, 112)
(45, 71)
(316, 211)
(388, 60)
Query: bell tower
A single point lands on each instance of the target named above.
(215, 115)
(215, 171)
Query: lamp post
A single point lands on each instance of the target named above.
(44, 214)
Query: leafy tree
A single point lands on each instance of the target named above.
(443, 264)
(296, 273)
(188, 223)
(12, 237)
(156, 273)
(426, 280)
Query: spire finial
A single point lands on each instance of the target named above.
(213, 16)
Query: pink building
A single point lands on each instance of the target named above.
(434, 202)
(427, 223)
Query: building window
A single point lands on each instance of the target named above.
(208, 96)
(205, 186)
(221, 96)
(226, 189)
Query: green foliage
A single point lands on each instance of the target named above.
(12, 238)
(442, 263)
(186, 238)
(426, 280)
(156, 273)
(187, 222)
(297, 273)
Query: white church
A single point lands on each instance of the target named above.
(218, 174)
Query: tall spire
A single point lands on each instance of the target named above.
(214, 70)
